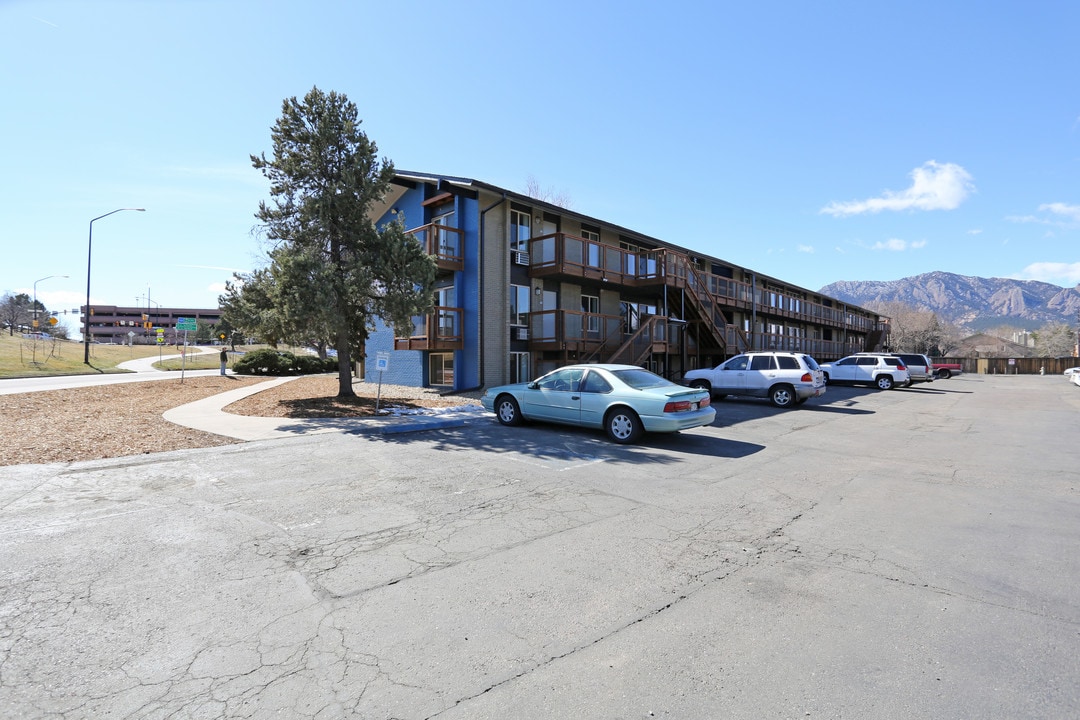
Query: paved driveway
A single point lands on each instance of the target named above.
(902, 554)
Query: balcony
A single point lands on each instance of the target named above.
(445, 243)
(570, 257)
(438, 330)
(597, 338)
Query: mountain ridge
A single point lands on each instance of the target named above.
(969, 301)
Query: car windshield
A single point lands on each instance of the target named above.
(640, 379)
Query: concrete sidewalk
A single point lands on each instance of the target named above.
(209, 416)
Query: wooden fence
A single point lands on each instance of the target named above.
(1012, 366)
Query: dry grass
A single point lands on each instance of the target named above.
(31, 357)
(125, 419)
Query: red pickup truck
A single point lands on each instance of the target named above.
(944, 371)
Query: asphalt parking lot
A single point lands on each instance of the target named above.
(900, 554)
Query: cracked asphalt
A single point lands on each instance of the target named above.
(902, 554)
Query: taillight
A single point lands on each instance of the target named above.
(807, 377)
(705, 401)
(901, 366)
(677, 406)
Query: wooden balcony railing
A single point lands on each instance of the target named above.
(575, 331)
(572, 256)
(562, 254)
(438, 330)
(445, 243)
(821, 350)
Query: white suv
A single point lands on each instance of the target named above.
(786, 378)
(885, 371)
(918, 365)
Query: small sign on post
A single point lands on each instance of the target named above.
(184, 324)
(382, 363)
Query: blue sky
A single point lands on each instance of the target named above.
(813, 142)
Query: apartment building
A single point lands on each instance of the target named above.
(525, 286)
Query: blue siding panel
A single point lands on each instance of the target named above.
(406, 366)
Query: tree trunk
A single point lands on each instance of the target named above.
(344, 367)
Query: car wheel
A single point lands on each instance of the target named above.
(944, 374)
(782, 396)
(701, 385)
(507, 410)
(623, 425)
(826, 377)
(884, 382)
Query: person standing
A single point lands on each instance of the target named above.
(224, 359)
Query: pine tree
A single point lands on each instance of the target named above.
(332, 271)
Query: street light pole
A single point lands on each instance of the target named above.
(89, 254)
(140, 298)
(34, 324)
(35, 307)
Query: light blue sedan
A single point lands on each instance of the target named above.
(625, 400)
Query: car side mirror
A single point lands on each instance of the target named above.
(533, 385)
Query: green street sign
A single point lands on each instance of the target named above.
(185, 324)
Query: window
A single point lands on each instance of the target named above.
(595, 383)
(444, 297)
(445, 300)
(629, 317)
(630, 253)
(567, 380)
(446, 245)
(763, 362)
(592, 254)
(520, 230)
(590, 305)
(788, 363)
(441, 368)
(519, 367)
(736, 363)
(519, 304)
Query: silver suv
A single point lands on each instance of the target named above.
(885, 371)
(786, 378)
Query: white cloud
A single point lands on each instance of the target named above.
(976, 231)
(898, 245)
(1070, 212)
(805, 249)
(1052, 272)
(1060, 215)
(934, 186)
